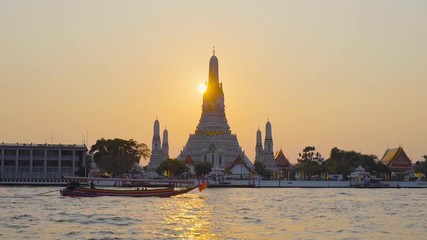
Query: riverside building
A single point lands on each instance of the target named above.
(159, 150)
(212, 140)
(40, 161)
(275, 163)
(397, 160)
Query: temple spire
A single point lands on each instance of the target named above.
(213, 100)
(165, 144)
(213, 70)
(268, 142)
(212, 140)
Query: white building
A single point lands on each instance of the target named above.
(40, 161)
(159, 151)
(212, 140)
(265, 154)
(240, 169)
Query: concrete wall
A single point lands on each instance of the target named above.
(304, 184)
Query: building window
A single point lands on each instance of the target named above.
(24, 152)
(66, 163)
(38, 153)
(53, 153)
(24, 163)
(220, 160)
(52, 163)
(8, 162)
(67, 153)
(38, 163)
(205, 158)
(8, 152)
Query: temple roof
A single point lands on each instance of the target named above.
(389, 155)
(397, 160)
(239, 161)
(359, 168)
(282, 161)
(188, 161)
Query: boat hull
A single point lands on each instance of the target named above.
(86, 192)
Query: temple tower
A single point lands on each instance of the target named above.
(258, 147)
(155, 144)
(268, 152)
(213, 110)
(165, 145)
(158, 154)
(212, 140)
(268, 142)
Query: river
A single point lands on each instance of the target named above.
(291, 213)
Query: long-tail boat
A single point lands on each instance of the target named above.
(74, 189)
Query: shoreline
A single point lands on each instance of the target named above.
(250, 184)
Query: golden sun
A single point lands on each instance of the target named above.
(202, 88)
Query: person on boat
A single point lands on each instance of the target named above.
(73, 185)
(92, 185)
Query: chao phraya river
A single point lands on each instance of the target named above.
(217, 214)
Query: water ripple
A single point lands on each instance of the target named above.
(217, 214)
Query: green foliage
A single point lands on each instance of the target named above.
(260, 170)
(202, 168)
(173, 166)
(421, 167)
(307, 165)
(117, 155)
(268, 174)
(84, 170)
(227, 172)
(344, 162)
(382, 169)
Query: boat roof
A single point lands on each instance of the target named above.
(128, 179)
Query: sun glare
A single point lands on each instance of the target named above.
(202, 88)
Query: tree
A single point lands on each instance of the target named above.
(421, 166)
(172, 166)
(260, 170)
(381, 170)
(344, 162)
(202, 168)
(117, 155)
(84, 170)
(307, 164)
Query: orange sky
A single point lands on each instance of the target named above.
(346, 74)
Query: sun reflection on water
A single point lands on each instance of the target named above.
(188, 217)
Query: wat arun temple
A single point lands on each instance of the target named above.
(212, 140)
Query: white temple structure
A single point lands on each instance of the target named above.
(266, 154)
(213, 140)
(159, 151)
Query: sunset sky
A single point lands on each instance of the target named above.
(346, 74)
